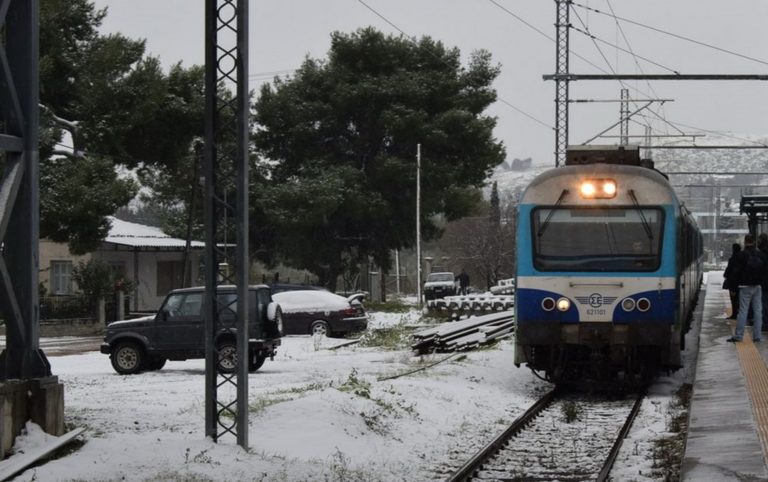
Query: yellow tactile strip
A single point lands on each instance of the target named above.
(756, 374)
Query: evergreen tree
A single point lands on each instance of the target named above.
(117, 107)
(342, 134)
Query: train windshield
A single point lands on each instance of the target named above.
(597, 239)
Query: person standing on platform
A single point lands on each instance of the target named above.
(762, 245)
(730, 283)
(751, 268)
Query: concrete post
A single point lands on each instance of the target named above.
(120, 305)
(102, 313)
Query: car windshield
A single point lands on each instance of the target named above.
(597, 239)
(440, 277)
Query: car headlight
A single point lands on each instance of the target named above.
(563, 304)
(548, 304)
(628, 304)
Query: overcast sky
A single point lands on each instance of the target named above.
(284, 32)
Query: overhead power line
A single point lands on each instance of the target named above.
(598, 39)
(681, 37)
(551, 39)
(413, 39)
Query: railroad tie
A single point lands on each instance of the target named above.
(756, 374)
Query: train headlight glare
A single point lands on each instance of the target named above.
(628, 304)
(643, 304)
(587, 189)
(563, 304)
(548, 304)
(598, 188)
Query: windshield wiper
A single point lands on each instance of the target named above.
(646, 226)
(551, 213)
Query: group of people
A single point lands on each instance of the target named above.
(746, 279)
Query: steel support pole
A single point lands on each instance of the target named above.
(226, 216)
(19, 191)
(562, 26)
(624, 116)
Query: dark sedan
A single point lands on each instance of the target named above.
(319, 312)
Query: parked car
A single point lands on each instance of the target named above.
(321, 312)
(439, 285)
(177, 332)
(504, 287)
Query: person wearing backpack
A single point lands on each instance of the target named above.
(751, 268)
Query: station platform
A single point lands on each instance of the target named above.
(728, 422)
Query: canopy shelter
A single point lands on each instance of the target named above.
(756, 209)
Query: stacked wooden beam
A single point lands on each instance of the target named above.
(465, 334)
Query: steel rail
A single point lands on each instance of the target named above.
(466, 471)
(608, 465)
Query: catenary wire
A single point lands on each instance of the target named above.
(681, 37)
(540, 32)
(634, 57)
(623, 50)
(413, 39)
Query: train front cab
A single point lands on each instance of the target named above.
(591, 302)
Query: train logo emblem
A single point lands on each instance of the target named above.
(595, 300)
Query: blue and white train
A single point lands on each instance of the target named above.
(608, 273)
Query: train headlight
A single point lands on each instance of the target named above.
(643, 304)
(598, 189)
(628, 304)
(548, 304)
(587, 189)
(563, 304)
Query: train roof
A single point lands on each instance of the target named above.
(650, 185)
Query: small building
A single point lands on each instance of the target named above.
(145, 255)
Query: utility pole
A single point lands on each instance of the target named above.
(418, 222)
(226, 214)
(562, 27)
(397, 271)
(624, 116)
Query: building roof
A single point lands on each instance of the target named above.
(142, 236)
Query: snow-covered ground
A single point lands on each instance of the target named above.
(316, 414)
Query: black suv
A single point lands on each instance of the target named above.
(177, 332)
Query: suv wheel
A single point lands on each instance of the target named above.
(127, 358)
(227, 356)
(256, 362)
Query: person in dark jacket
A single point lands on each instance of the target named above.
(751, 267)
(731, 284)
(463, 280)
(762, 245)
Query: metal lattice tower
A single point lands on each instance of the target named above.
(19, 191)
(562, 26)
(624, 116)
(226, 213)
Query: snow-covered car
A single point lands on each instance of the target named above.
(439, 285)
(177, 332)
(280, 287)
(320, 312)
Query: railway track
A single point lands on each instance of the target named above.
(540, 445)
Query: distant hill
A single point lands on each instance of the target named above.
(698, 189)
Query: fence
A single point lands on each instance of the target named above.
(78, 308)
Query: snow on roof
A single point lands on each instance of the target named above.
(142, 236)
